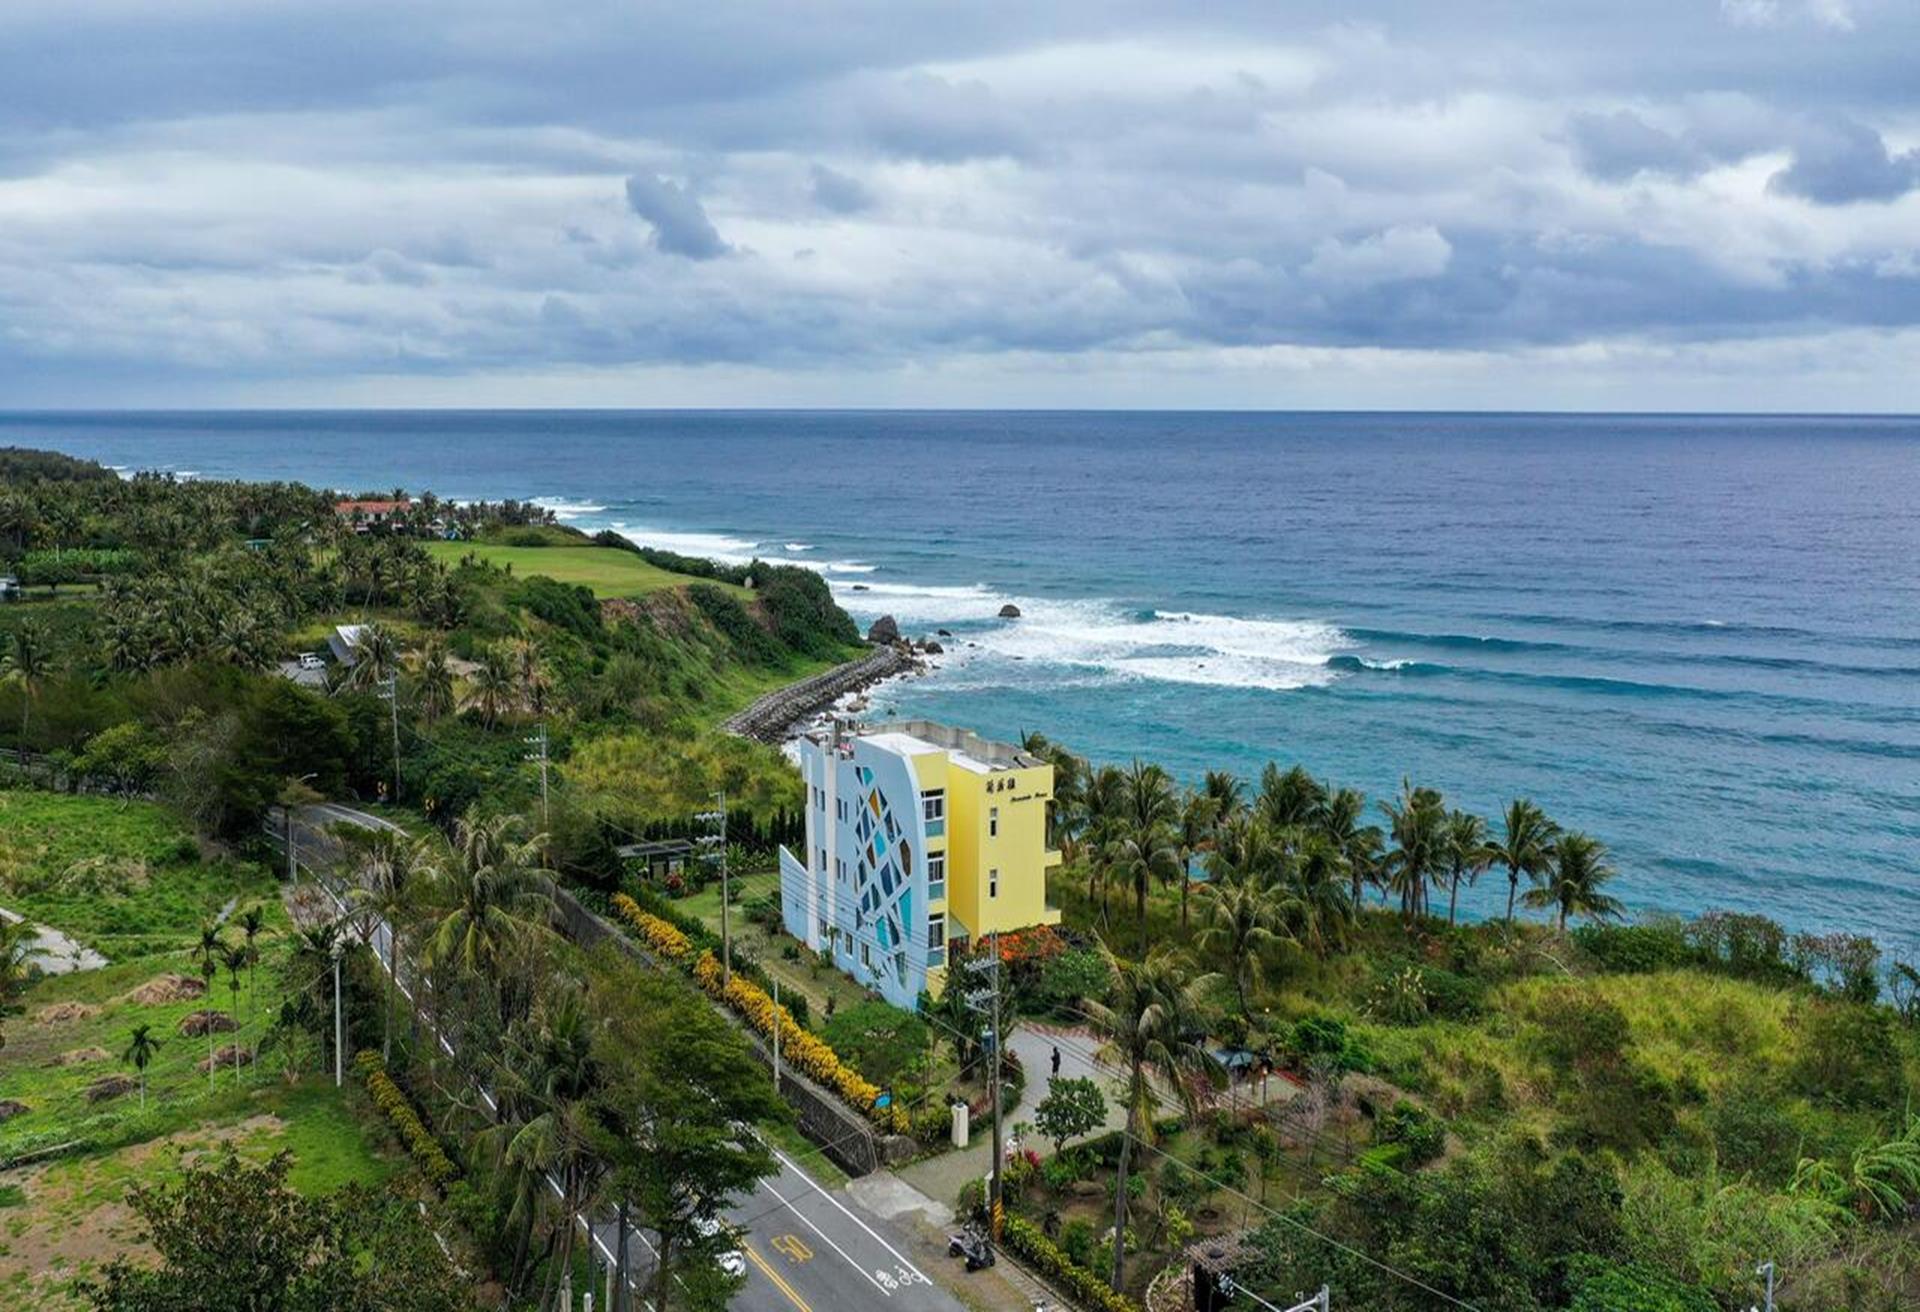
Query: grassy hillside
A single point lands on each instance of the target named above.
(608, 571)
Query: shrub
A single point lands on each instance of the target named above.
(1415, 1128)
(1069, 978)
(665, 939)
(1081, 1285)
(1635, 949)
(804, 1051)
(1601, 1286)
(425, 1150)
(1850, 1058)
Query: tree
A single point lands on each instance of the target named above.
(125, 756)
(252, 922)
(1359, 845)
(434, 692)
(1317, 901)
(1198, 819)
(376, 658)
(1150, 1023)
(383, 893)
(235, 958)
(1882, 1180)
(1073, 1107)
(1289, 800)
(1467, 854)
(233, 1237)
(140, 1052)
(494, 688)
(1523, 847)
(493, 901)
(1245, 911)
(1579, 868)
(27, 662)
(1416, 822)
(1145, 843)
(207, 954)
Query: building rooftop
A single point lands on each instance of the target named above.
(965, 748)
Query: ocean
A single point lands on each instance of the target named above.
(1697, 638)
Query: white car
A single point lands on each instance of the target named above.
(310, 660)
(731, 1260)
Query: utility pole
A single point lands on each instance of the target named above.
(716, 844)
(777, 1027)
(392, 695)
(619, 1298)
(339, 1019)
(539, 740)
(1766, 1269)
(987, 1000)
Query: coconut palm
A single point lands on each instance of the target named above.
(1289, 800)
(376, 658)
(494, 900)
(1228, 791)
(1150, 1024)
(141, 1049)
(1102, 804)
(1199, 818)
(1145, 843)
(1523, 846)
(494, 687)
(1245, 909)
(1359, 845)
(1882, 1180)
(1467, 854)
(529, 674)
(1318, 901)
(1416, 822)
(434, 694)
(28, 661)
(383, 894)
(1572, 888)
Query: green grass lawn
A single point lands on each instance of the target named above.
(609, 571)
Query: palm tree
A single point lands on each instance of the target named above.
(207, 953)
(494, 899)
(141, 1047)
(235, 958)
(1199, 817)
(1245, 910)
(1102, 804)
(1151, 1025)
(27, 663)
(1579, 868)
(1290, 800)
(376, 657)
(1319, 901)
(1467, 854)
(252, 922)
(1228, 791)
(1359, 845)
(494, 688)
(435, 692)
(1523, 847)
(314, 949)
(383, 892)
(529, 674)
(1145, 845)
(1416, 821)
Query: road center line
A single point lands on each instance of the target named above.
(808, 1222)
(779, 1283)
(898, 1256)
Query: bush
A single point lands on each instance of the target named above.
(1601, 1286)
(425, 1150)
(664, 939)
(1635, 949)
(1068, 979)
(882, 1042)
(1414, 1128)
(1850, 1058)
(1085, 1288)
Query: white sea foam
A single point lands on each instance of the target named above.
(711, 546)
(795, 546)
(565, 509)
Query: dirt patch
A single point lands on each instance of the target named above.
(10, 1109)
(111, 1086)
(79, 1057)
(61, 1013)
(168, 988)
(234, 1054)
(199, 1024)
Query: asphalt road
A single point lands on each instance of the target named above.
(806, 1248)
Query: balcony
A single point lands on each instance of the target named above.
(936, 957)
(936, 828)
(936, 890)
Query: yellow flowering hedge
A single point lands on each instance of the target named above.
(799, 1047)
(664, 938)
(427, 1153)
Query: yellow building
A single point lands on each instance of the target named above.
(921, 840)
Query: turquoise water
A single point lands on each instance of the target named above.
(1698, 638)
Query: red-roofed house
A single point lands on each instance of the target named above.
(367, 514)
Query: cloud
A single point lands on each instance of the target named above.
(1838, 160)
(838, 192)
(1392, 256)
(680, 223)
(1615, 147)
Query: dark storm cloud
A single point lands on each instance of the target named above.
(836, 191)
(1837, 160)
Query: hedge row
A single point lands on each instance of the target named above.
(1025, 1241)
(664, 938)
(799, 1048)
(427, 1153)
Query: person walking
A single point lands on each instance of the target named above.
(1056, 1059)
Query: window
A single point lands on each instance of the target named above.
(840, 869)
(937, 876)
(936, 931)
(840, 808)
(819, 797)
(933, 805)
(866, 955)
(826, 931)
(993, 882)
(993, 822)
(823, 861)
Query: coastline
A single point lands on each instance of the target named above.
(781, 715)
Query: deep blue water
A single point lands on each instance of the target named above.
(1698, 638)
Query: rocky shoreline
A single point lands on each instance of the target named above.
(773, 717)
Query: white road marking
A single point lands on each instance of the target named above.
(808, 1222)
(898, 1255)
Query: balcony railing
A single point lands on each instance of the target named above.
(937, 828)
(936, 890)
(936, 957)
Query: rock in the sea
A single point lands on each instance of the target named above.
(1009, 612)
(860, 587)
(931, 648)
(884, 630)
(945, 633)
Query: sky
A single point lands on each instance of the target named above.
(1482, 204)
